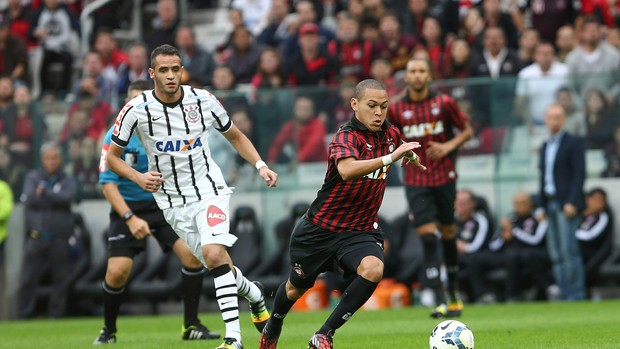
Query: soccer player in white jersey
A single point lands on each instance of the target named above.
(173, 123)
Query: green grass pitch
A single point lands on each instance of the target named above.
(582, 325)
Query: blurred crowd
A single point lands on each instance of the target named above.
(286, 70)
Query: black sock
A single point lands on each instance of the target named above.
(281, 306)
(352, 299)
(112, 298)
(432, 266)
(451, 257)
(191, 287)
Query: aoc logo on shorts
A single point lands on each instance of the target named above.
(215, 216)
(178, 145)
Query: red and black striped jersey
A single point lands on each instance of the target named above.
(343, 206)
(435, 119)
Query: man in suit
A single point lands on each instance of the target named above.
(562, 166)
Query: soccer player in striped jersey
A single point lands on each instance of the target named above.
(134, 217)
(173, 123)
(341, 226)
(431, 119)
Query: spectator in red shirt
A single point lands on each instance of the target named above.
(19, 17)
(313, 65)
(107, 46)
(13, 53)
(393, 45)
(301, 139)
(435, 44)
(353, 52)
(457, 64)
(548, 16)
(98, 111)
(270, 71)
(26, 128)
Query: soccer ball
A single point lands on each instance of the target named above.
(451, 334)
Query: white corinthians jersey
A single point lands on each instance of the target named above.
(175, 138)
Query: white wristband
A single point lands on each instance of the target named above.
(259, 164)
(387, 159)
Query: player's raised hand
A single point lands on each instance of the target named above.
(414, 159)
(404, 149)
(270, 177)
(150, 181)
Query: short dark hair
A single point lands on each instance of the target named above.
(597, 190)
(141, 85)
(166, 50)
(429, 64)
(361, 87)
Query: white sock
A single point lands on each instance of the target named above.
(226, 294)
(246, 288)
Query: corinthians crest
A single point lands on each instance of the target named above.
(191, 114)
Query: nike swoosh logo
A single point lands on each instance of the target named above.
(155, 119)
(446, 326)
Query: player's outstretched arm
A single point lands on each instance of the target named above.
(246, 149)
(150, 181)
(351, 168)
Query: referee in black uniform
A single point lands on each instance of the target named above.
(341, 226)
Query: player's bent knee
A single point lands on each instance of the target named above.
(118, 270)
(427, 228)
(215, 255)
(117, 277)
(371, 268)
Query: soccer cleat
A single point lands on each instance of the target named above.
(455, 308)
(269, 338)
(197, 332)
(321, 341)
(258, 310)
(230, 343)
(439, 311)
(105, 337)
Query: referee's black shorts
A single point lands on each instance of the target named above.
(120, 241)
(432, 204)
(314, 250)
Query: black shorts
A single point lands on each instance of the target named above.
(432, 204)
(314, 250)
(120, 241)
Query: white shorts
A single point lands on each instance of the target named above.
(202, 222)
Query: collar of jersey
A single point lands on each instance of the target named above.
(173, 104)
